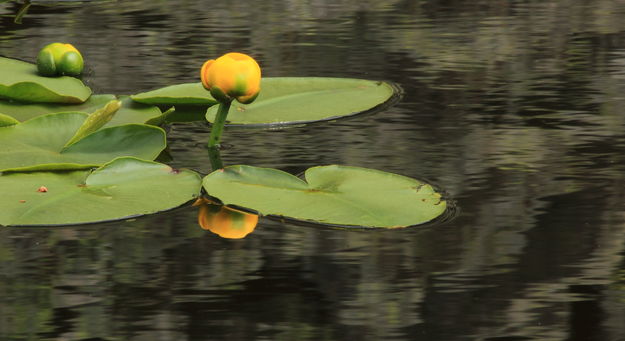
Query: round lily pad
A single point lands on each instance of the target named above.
(125, 187)
(334, 195)
(21, 82)
(282, 100)
(292, 100)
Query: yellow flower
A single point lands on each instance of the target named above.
(232, 76)
(59, 59)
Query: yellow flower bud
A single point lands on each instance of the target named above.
(59, 59)
(232, 76)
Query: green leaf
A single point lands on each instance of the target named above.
(336, 195)
(133, 112)
(6, 120)
(95, 121)
(304, 100)
(21, 82)
(130, 112)
(180, 94)
(37, 144)
(126, 187)
(159, 120)
(288, 100)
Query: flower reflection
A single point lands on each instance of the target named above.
(225, 221)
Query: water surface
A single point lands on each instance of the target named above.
(515, 108)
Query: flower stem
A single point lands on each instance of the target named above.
(215, 136)
(218, 125)
(215, 158)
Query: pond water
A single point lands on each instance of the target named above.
(515, 108)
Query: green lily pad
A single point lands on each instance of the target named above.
(21, 82)
(38, 144)
(335, 195)
(130, 112)
(126, 187)
(288, 100)
(292, 100)
(179, 94)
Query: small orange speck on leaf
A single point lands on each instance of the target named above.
(22, 201)
(42, 189)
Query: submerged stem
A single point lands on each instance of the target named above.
(22, 11)
(218, 125)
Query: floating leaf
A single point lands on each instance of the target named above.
(95, 121)
(38, 143)
(336, 195)
(21, 82)
(130, 112)
(180, 94)
(126, 187)
(288, 100)
(303, 100)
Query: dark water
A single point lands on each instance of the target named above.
(515, 108)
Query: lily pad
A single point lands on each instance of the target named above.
(21, 82)
(126, 187)
(335, 195)
(130, 112)
(38, 144)
(282, 100)
(292, 100)
(179, 94)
